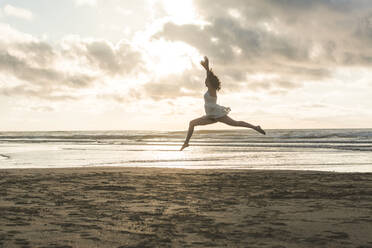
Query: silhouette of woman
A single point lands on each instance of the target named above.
(214, 112)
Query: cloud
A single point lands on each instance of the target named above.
(24, 71)
(42, 108)
(172, 86)
(10, 10)
(34, 68)
(119, 59)
(41, 93)
(41, 53)
(10, 35)
(115, 60)
(91, 3)
(298, 40)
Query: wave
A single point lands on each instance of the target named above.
(89, 137)
(155, 146)
(214, 142)
(327, 135)
(198, 134)
(176, 160)
(277, 141)
(346, 139)
(3, 156)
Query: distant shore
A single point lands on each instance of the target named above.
(146, 207)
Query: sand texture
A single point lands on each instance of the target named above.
(121, 207)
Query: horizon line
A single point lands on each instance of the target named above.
(154, 130)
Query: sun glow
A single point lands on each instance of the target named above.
(169, 57)
(181, 12)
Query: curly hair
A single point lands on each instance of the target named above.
(214, 80)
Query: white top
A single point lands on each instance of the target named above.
(212, 109)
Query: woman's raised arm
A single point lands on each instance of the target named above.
(205, 64)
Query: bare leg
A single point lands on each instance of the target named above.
(227, 120)
(196, 122)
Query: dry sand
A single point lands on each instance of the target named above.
(121, 207)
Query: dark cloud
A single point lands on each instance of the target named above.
(298, 40)
(39, 52)
(48, 77)
(272, 85)
(254, 45)
(35, 65)
(103, 56)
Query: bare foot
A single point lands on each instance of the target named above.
(184, 146)
(260, 130)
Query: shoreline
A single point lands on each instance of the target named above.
(162, 207)
(173, 170)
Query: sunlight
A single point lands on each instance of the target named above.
(168, 152)
(181, 12)
(169, 57)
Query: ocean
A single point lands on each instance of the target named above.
(340, 150)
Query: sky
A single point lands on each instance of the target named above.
(134, 64)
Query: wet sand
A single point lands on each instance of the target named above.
(121, 207)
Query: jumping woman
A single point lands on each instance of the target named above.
(214, 112)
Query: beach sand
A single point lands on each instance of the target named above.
(136, 207)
